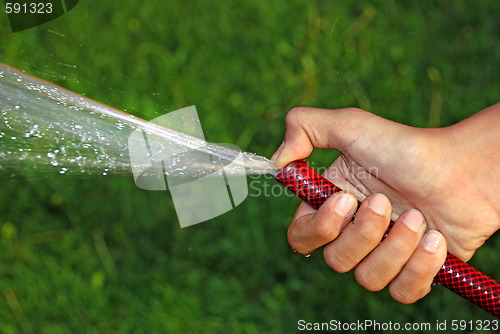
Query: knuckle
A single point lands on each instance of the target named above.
(336, 261)
(324, 230)
(400, 249)
(418, 270)
(293, 115)
(368, 279)
(371, 231)
(404, 295)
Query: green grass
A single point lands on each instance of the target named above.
(98, 255)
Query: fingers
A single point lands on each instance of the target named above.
(387, 260)
(408, 259)
(415, 280)
(404, 260)
(360, 237)
(312, 229)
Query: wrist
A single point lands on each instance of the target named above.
(474, 146)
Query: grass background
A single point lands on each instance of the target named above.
(98, 255)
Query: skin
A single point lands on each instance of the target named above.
(437, 184)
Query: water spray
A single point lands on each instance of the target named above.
(43, 126)
(456, 275)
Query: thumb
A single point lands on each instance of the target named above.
(307, 128)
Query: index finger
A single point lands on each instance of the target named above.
(312, 229)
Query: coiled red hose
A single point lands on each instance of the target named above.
(456, 275)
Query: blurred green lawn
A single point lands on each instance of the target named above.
(98, 255)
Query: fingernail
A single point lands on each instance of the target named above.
(413, 219)
(431, 241)
(344, 204)
(278, 151)
(283, 157)
(379, 204)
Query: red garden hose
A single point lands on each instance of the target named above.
(456, 275)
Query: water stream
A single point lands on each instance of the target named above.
(45, 129)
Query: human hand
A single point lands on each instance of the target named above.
(415, 168)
